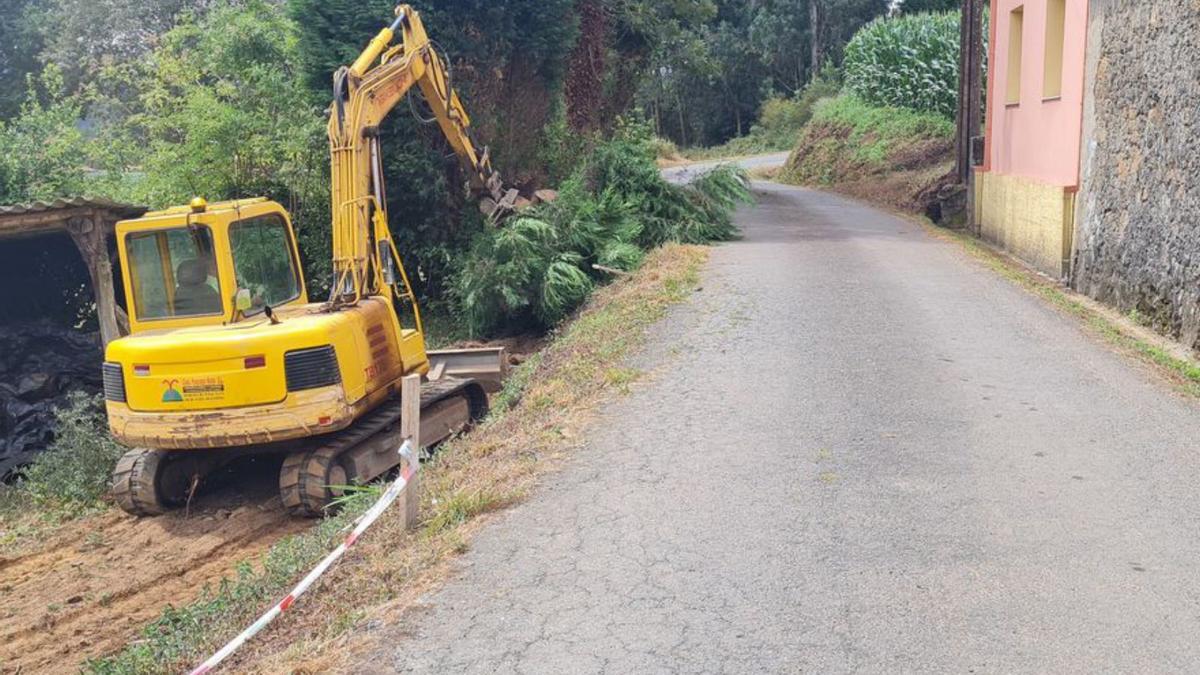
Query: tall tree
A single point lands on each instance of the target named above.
(44, 151)
(816, 11)
(20, 45)
(83, 37)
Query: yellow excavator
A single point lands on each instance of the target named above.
(227, 356)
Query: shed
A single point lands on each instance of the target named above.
(89, 221)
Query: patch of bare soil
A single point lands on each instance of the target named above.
(92, 584)
(904, 189)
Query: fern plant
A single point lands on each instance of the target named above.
(539, 267)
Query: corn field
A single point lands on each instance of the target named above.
(907, 62)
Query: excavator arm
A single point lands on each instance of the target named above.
(364, 94)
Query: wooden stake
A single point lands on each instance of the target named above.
(410, 430)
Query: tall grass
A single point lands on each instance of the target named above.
(849, 139)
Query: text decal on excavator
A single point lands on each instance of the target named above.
(194, 389)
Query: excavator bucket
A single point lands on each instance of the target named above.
(498, 207)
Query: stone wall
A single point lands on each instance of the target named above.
(1138, 218)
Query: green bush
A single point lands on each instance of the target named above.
(540, 266)
(907, 62)
(666, 149)
(780, 119)
(75, 471)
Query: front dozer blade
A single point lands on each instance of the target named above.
(488, 366)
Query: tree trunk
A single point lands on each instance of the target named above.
(815, 12)
(587, 69)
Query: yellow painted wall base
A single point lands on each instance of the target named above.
(1033, 221)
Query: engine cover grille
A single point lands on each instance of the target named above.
(114, 382)
(311, 368)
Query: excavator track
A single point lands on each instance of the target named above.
(154, 482)
(310, 479)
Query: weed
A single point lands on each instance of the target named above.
(93, 540)
(457, 507)
(72, 476)
(621, 377)
(346, 621)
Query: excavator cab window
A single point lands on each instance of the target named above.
(174, 273)
(262, 261)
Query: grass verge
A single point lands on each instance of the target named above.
(1182, 372)
(537, 418)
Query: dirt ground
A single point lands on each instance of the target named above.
(92, 584)
(88, 587)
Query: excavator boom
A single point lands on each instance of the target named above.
(399, 57)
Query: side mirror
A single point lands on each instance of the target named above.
(242, 301)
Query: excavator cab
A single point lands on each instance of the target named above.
(198, 265)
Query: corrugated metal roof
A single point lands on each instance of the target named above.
(63, 203)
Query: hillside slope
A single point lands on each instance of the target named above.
(888, 156)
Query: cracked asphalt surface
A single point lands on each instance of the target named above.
(858, 451)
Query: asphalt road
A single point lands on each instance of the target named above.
(861, 452)
(685, 172)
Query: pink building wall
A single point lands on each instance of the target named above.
(1037, 139)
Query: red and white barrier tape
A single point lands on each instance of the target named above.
(364, 521)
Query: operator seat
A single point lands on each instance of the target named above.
(194, 296)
